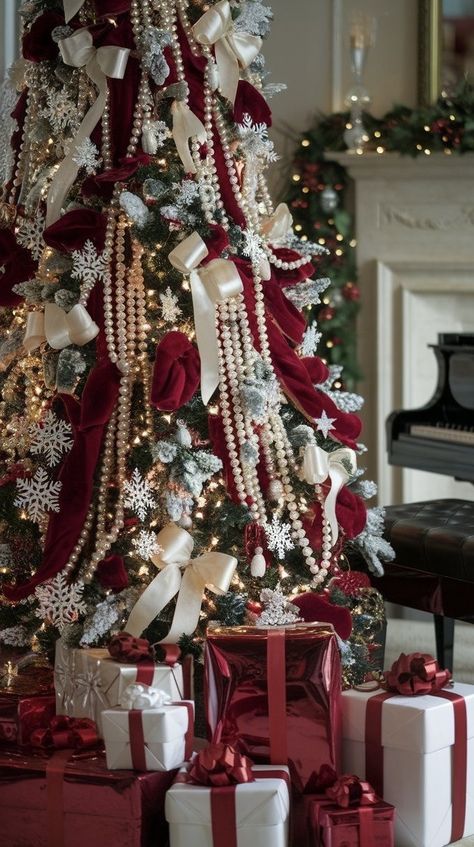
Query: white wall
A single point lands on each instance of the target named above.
(308, 50)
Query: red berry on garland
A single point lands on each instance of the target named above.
(254, 607)
(327, 313)
(350, 582)
(351, 291)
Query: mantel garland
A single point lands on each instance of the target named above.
(318, 191)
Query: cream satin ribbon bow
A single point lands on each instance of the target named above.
(233, 49)
(216, 282)
(78, 50)
(59, 328)
(185, 126)
(180, 573)
(276, 227)
(71, 8)
(318, 466)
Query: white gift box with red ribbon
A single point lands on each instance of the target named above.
(418, 749)
(152, 739)
(88, 681)
(260, 814)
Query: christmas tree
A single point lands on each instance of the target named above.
(170, 457)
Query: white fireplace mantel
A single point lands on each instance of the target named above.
(415, 258)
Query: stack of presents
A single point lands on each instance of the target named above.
(108, 756)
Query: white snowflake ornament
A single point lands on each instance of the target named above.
(310, 341)
(138, 495)
(279, 537)
(60, 111)
(170, 310)
(324, 424)
(146, 545)
(60, 603)
(52, 438)
(86, 156)
(252, 246)
(38, 494)
(88, 265)
(30, 235)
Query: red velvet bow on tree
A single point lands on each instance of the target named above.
(64, 732)
(126, 648)
(416, 673)
(349, 791)
(219, 765)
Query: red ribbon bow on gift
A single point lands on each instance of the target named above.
(416, 673)
(64, 732)
(220, 765)
(126, 648)
(349, 790)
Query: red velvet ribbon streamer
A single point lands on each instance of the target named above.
(64, 733)
(415, 674)
(276, 681)
(138, 741)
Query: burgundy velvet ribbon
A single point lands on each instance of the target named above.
(276, 680)
(290, 369)
(415, 674)
(89, 418)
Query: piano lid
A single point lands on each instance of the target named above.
(439, 437)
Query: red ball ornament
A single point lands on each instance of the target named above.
(327, 313)
(351, 291)
(350, 582)
(254, 607)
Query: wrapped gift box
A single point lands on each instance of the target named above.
(20, 715)
(162, 737)
(368, 826)
(276, 706)
(417, 737)
(89, 805)
(89, 681)
(259, 817)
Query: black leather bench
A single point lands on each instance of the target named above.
(434, 566)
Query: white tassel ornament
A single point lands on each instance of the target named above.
(258, 564)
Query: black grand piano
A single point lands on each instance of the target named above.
(434, 540)
(439, 437)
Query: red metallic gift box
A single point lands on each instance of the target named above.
(53, 802)
(275, 694)
(366, 826)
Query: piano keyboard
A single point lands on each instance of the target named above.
(438, 433)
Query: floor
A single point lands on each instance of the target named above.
(407, 636)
